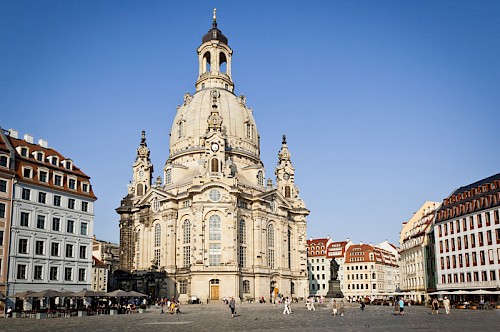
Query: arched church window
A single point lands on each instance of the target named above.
(168, 176)
(214, 228)
(156, 204)
(140, 189)
(157, 235)
(270, 245)
(187, 231)
(287, 192)
(260, 178)
(249, 130)
(214, 167)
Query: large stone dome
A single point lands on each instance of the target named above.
(191, 124)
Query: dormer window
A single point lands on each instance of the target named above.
(39, 156)
(58, 180)
(28, 172)
(4, 161)
(43, 176)
(24, 152)
(54, 160)
(72, 184)
(68, 164)
(85, 187)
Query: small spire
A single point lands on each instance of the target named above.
(214, 24)
(143, 138)
(284, 139)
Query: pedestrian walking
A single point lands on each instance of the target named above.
(362, 307)
(312, 304)
(435, 306)
(334, 308)
(401, 307)
(341, 308)
(446, 304)
(287, 306)
(232, 306)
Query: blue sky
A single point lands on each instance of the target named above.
(386, 104)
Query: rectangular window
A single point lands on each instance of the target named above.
(27, 173)
(83, 252)
(489, 239)
(83, 228)
(25, 217)
(26, 193)
(481, 239)
(187, 257)
(42, 197)
(473, 240)
(466, 242)
(157, 258)
(183, 286)
(71, 203)
(3, 186)
(85, 206)
(53, 273)
(21, 271)
(56, 224)
(39, 246)
(1, 243)
(214, 254)
(57, 200)
(464, 224)
(58, 180)
(479, 221)
(471, 222)
(40, 222)
(451, 227)
(43, 176)
(68, 274)
(487, 217)
(482, 259)
(497, 218)
(2, 210)
(72, 184)
(69, 250)
(81, 274)
(70, 227)
(457, 224)
(23, 246)
(54, 250)
(85, 187)
(37, 272)
(242, 259)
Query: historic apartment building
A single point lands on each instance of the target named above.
(100, 276)
(318, 265)
(108, 254)
(370, 271)
(467, 235)
(52, 219)
(320, 253)
(7, 174)
(413, 243)
(212, 226)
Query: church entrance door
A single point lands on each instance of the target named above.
(214, 292)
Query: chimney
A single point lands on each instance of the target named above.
(43, 143)
(28, 138)
(13, 133)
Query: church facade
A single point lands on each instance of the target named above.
(212, 226)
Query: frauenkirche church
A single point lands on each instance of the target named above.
(213, 227)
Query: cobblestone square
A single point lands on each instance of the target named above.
(266, 317)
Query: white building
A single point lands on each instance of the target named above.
(213, 226)
(413, 242)
(318, 266)
(52, 220)
(467, 235)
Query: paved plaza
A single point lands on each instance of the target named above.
(265, 317)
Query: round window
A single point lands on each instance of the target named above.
(214, 195)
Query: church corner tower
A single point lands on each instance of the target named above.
(213, 227)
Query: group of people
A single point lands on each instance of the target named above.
(170, 306)
(435, 306)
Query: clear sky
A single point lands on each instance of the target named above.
(385, 104)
